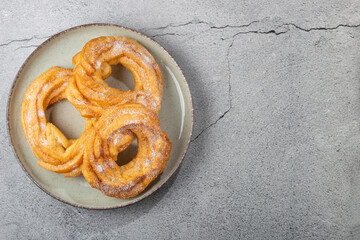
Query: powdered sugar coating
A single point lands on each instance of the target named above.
(147, 162)
(102, 51)
(99, 168)
(118, 138)
(41, 113)
(42, 126)
(46, 141)
(153, 151)
(97, 64)
(118, 47)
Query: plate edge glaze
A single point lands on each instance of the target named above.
(12, 143)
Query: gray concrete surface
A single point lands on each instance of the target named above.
(275, 150)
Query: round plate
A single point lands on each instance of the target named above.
(176, 115)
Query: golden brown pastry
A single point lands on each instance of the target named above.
(113, 118)
(55, 152)
(92, 96)
(106, 140)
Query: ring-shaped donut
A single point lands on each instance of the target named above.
(55, 152)
(106, 141)
(91, 95)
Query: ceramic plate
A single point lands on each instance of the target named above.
(176, 115)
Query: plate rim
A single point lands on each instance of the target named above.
(16, 79)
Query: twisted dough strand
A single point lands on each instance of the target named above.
(55, 152)
(92, 96)
(105, 142)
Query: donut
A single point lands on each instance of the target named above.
(106, 140)
(92, 96)
(55, 152)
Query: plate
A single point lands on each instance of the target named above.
(176, 114)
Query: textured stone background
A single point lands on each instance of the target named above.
(275, 149)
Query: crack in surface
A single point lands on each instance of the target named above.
(194, 22)
(180, 25)
(275, 29)
(230, 97)
(258, 32)
(26, 46)
(321, 28)
(167, 34)
(293, 25)
(23, 40)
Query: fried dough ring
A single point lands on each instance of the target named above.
(106, 141)
(55, 152)
(91, 95)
